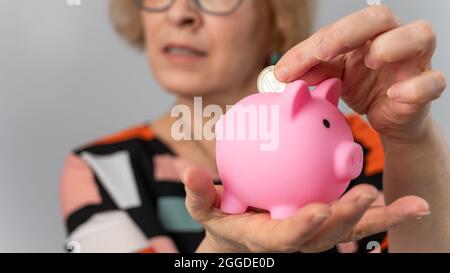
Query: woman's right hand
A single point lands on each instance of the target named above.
(314, 228)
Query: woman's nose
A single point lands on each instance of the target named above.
(185, 14)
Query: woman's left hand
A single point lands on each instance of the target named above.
(385, 68)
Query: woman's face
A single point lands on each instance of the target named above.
(193, 53)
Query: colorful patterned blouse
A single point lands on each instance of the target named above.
(122, 193)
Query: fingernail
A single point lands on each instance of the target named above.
(321, 52)
(318, 218)
(282, 73)
(423, 214)
(437, 85)
(365, 200)
(393, 93)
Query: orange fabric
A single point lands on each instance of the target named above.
(160, 244)
(368, 137)
(384, 244)
(147, 250)
(143, 132)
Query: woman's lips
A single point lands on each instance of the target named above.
(183, 53)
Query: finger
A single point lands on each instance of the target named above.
(219, 194)
(323, 71)
(379, 219)
(345, 214)
(410, 41)
(298, 59)
(289, 234)
(343, 36)
(422, 89)
(380, 201)
(261, 234)
(355, 30)
(200, 193)
(348, 247)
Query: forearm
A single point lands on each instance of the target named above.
(421, 168)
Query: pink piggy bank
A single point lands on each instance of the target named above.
(313, 160)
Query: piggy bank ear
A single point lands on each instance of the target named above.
(329, 90)
(294, 97)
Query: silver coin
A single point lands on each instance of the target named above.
(267, 83)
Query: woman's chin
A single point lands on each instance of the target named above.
(192, 88)
(187, 91)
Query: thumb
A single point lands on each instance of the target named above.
(200, 193)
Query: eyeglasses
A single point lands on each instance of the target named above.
(214, 7)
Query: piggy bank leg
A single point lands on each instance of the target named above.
(231, 204)
(282, 212)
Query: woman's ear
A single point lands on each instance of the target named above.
(329, 90)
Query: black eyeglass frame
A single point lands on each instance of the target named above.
(140, 4)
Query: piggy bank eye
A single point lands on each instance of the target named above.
(326, 123)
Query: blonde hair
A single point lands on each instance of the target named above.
(291, 22)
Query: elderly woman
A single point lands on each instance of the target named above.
(140, 190)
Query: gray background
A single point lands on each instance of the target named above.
(66, 78)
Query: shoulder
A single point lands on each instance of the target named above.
(141, 132)
(134, 142)
(105, 163)
(108, 174)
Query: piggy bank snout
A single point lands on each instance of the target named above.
(348, 161)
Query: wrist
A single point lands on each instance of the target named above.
(204, 247)
(211, 244)
(208, 245)
(411, 139)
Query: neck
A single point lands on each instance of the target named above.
(221, 98)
